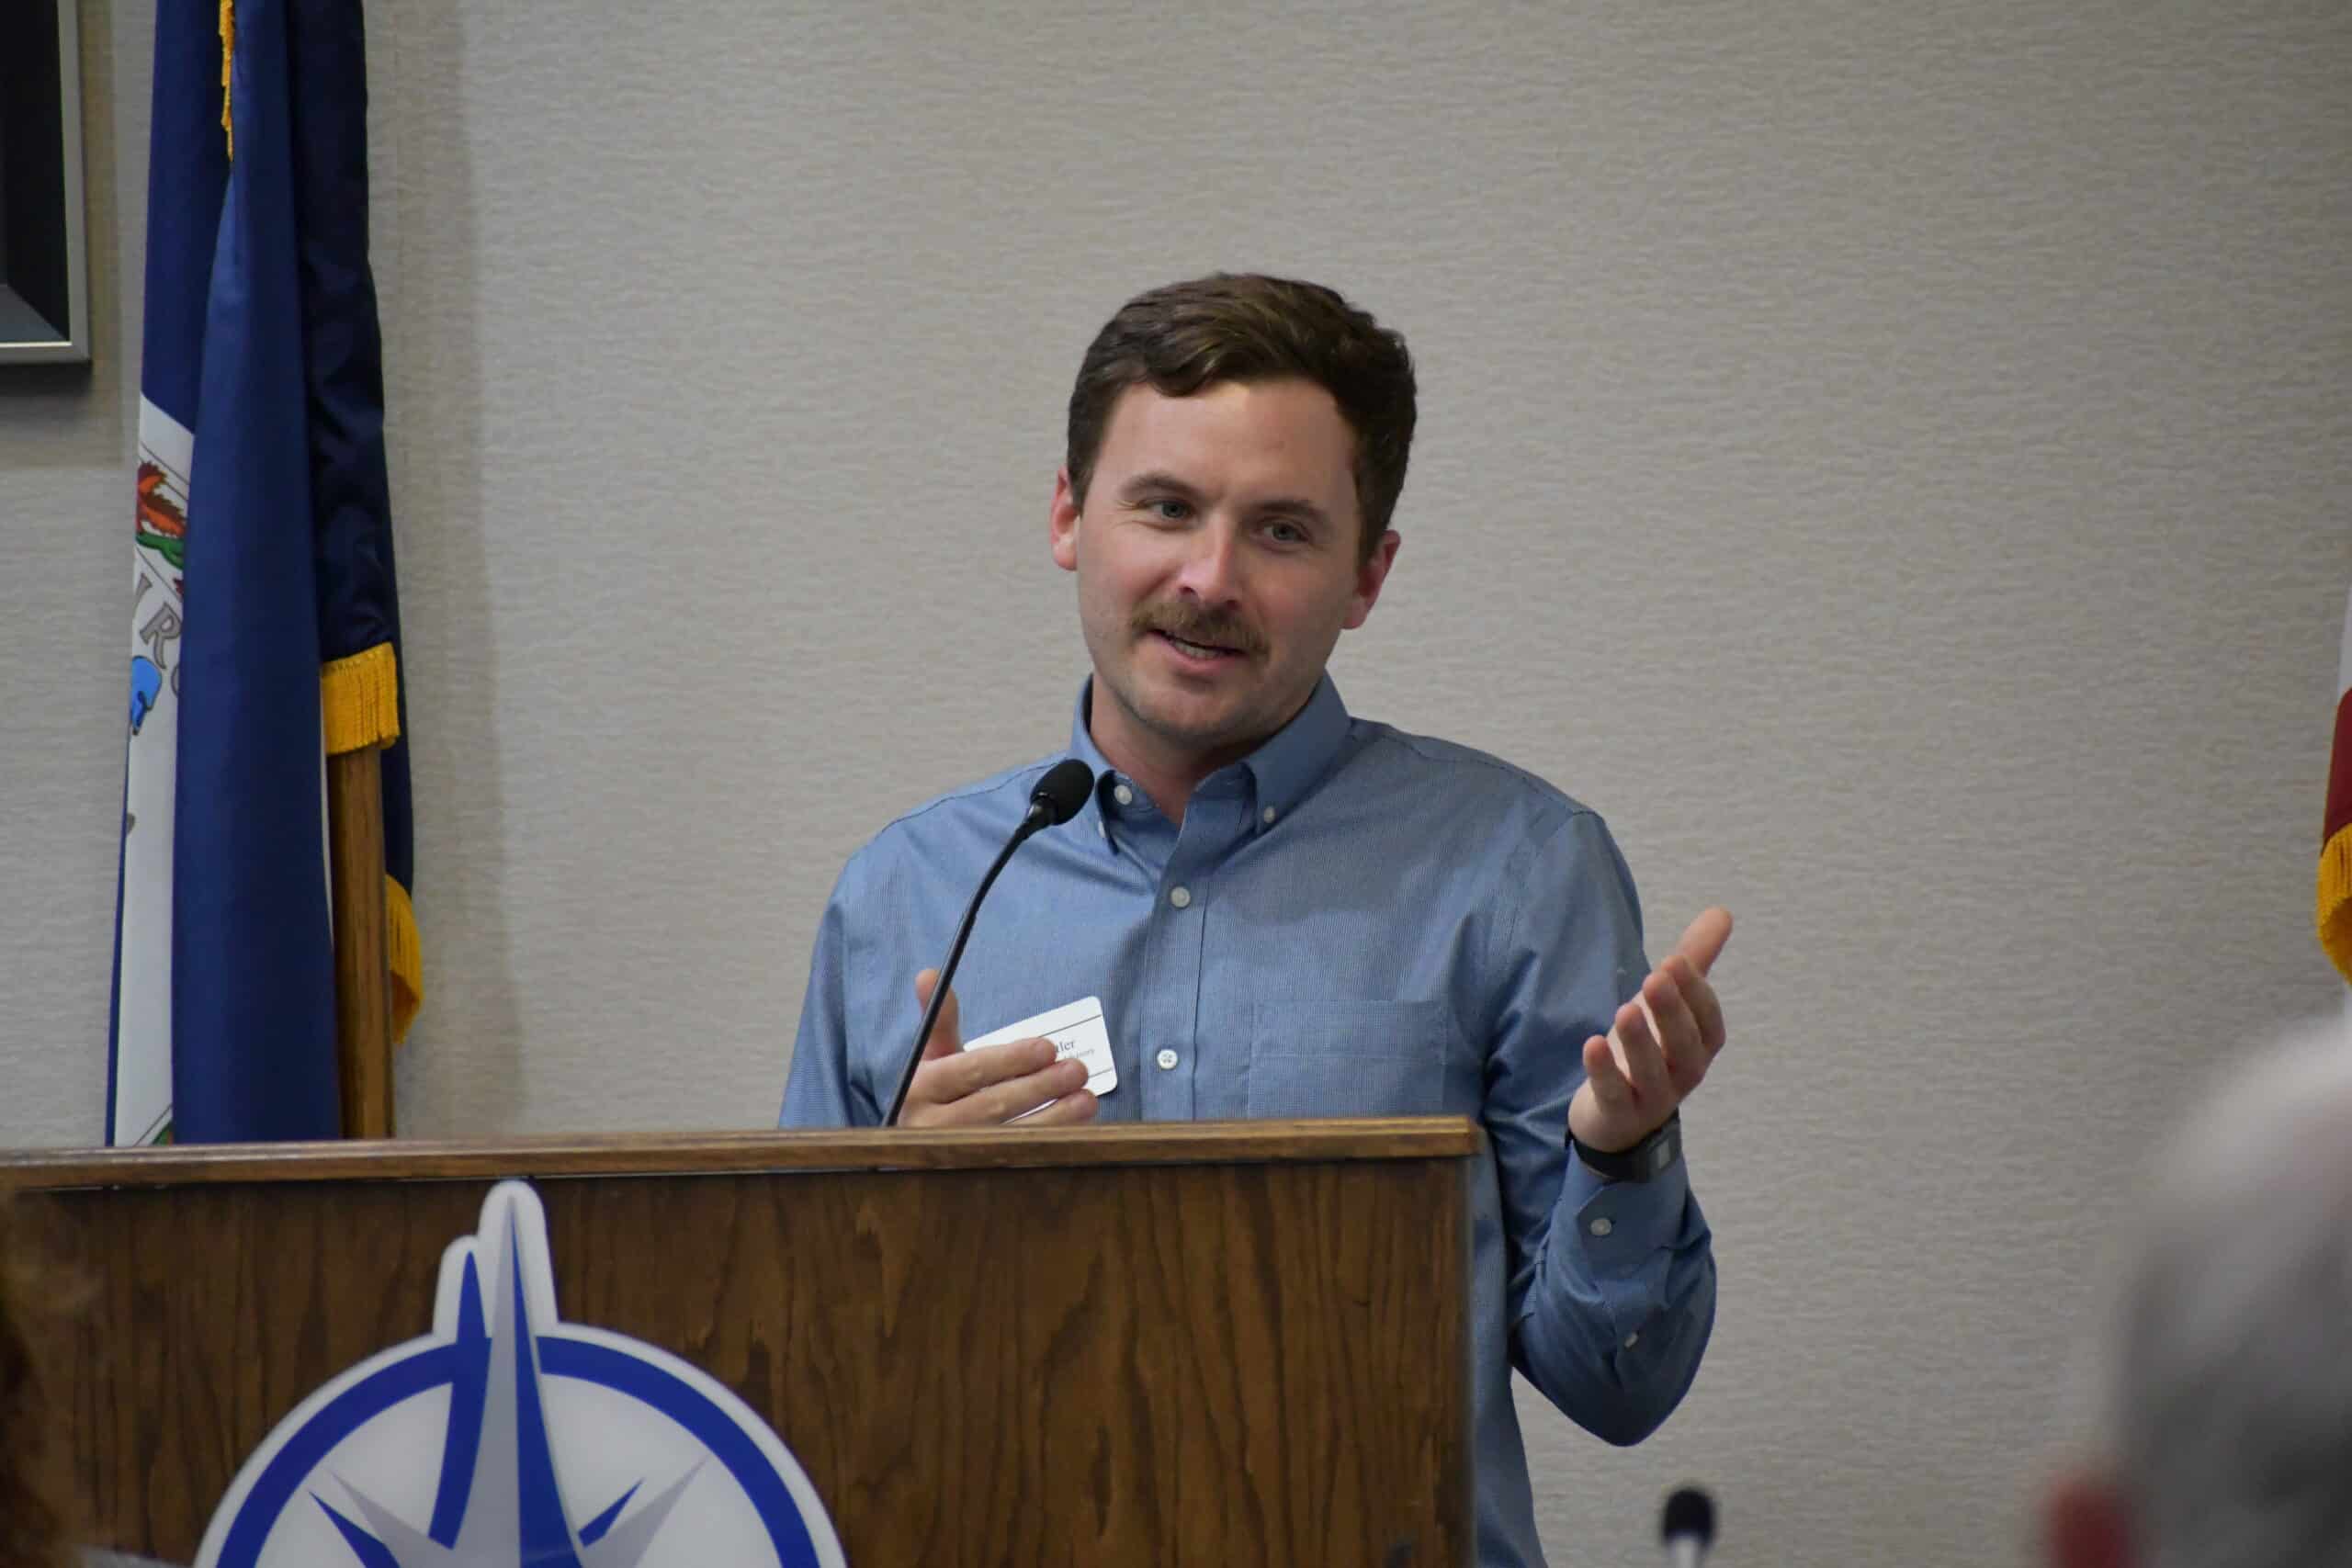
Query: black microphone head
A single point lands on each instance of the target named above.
(1690, 1515)
(1062, 793)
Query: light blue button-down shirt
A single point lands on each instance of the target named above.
(1349, 921)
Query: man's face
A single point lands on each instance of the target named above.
(1218, 563)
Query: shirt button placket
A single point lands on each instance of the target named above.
(1172, 1059)
(1216, 823)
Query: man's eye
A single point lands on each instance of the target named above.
(1168, 509)
(1286, 532)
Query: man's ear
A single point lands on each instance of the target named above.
(2084, 1523)
(1370, 575)
(1061, 522)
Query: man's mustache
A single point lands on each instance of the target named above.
(1207, 627)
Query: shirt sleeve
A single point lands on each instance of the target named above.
(820, 1090)
(1612, 1284)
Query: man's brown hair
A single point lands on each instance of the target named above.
(1249, 327)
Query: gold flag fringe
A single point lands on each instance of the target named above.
(228, 54)
(359, 697)
(2336, 900)
(406, 953)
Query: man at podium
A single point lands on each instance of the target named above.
(1268, 907)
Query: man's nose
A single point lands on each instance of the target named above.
(1212, 566)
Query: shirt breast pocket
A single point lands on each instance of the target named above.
(1349, 1058)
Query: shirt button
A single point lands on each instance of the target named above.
(1122, 795)
(1267, 816)
(1602, 1225)
(1167, 1058)
(1181, 896)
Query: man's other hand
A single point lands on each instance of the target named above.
(1661, 1044)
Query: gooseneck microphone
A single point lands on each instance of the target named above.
(1688, 1526)
(1059, 796)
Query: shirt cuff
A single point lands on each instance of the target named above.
(1622, 1224)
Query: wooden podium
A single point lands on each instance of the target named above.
(1188, 1343)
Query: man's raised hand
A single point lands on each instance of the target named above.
(1659, 1047)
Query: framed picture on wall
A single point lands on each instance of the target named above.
(44, 277)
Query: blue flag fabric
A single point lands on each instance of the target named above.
(265, 534)
(188, 177)
(253, 967)
(359, 610)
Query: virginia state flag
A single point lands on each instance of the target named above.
(266, 628)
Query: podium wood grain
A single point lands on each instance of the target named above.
(1214, 1345)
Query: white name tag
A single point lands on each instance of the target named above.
(1077, 1029)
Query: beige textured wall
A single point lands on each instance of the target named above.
(1891, 459)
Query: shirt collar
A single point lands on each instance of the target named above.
(1288, 765)
(1295, 759)
(1082, 747)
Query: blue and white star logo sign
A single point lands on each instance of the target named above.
(509, 1438)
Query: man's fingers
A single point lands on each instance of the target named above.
(990, 1084)
(945, 1037)
(1608, 1085)
(1703, 939)
(1678, 1031)
(1706, 1006)
(1002, 1102)
(1645, 1064)
(1066, 1112)
(972, 1072)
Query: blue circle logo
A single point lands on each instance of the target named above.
(508, 1438)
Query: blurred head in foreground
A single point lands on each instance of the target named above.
(31, 1526)
(2228, 1396)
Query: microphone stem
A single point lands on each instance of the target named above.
(1029, 824)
